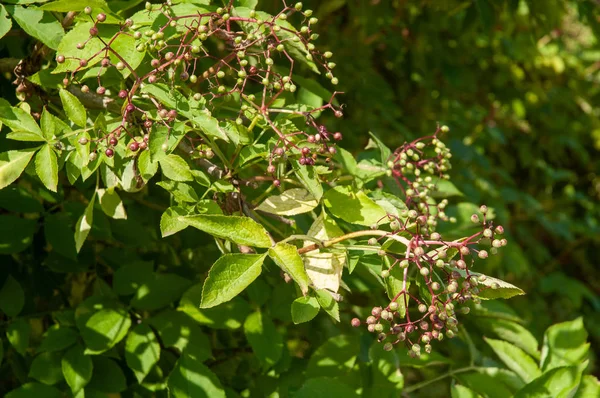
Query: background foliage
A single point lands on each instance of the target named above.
(516, 81)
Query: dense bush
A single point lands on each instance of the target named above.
(187, 209)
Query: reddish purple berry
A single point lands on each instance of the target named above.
(113, 141)
(60, 59)
(134, 146)
(123, 94)
(93, 31)
(101, 17)
(100, 90)
(276, 183)
(83, 63)
(130, 108)
(337, 136)
(355, 322)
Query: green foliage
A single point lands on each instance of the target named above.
(309, 270)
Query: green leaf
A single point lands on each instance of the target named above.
(146, 166)
(375, 142)
(458, 391)
(57, 338)
(18, 333)
(496, 288)
(564, 345)
(589, 387)
(328, 303)
(486, 385)
(12, 164)
(39, 24)
(336, 357)
(511, 332)
(309, 178)
(58, 230)
(190, 378)
(68, 47)
(108, 377)
(111, 204)
(19, 200)
(239, 230)
(5, 21)
(160, 291)
(229, 276)
(104, 329)
(37, 390)
(84, 224)
(289, 203)
(77, 368)
(73, 5)
(559, 382)
(325, 387)
(73, 108)
(130, 277)
(266, 342)
(304, 309)
(515, 359)
(46, 167)
(12, 297)
(175, 168)
(170, 223)
(142, 350)
(287, 258)
(46, 368)
(354, 207)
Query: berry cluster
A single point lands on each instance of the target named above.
(445, 284)
(234, 55)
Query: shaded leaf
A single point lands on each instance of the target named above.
(12, 297)
(190, 378)
(264, 339)
(304, 309)
(142, 350)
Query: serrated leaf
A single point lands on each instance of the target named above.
(191, 378)
(328, 303)
(146, 166)
(309, 178)
(39, 24)
(170, 223)
(287, 258)
(560, 382)
(84, 224)
(511, 332)
(175, 168)
(73, 108)
(111, 204)
(304, 309)
(12, 297)
(5, 21)
(289, 203)
(142, 350)
(263, 337)
(564, 344)
(229, 276)
(46, 167)
(354, 207)
(73, 5)
(20, 121)
(77, 368)
(496, 288)
(12, 164)
(240, 230)
(515, 359)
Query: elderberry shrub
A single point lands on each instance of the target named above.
(217, 98)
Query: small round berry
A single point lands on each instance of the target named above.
(83, 141)
(164, 147)
(372, 241)
(109, 152)
(113, 141)
(80, 46)
(65, 82)
(444, 129)
(487, 233)
(385, 273)
(123, 94)
(355, 322)
(93, 156)
(120, 65)
(93, 31)
(134, 146)
(279, 151)
(152, 79)
(424, 271)
(337, 136)
(101, 17)
(143, 145)
(87, 10)
(85, 89)
(475, 218)
(499, 230)
(105, 62)
(83, 63)
(130, 108)
(276, 183)
(271, 169)
(146, 136)
(60, 59)
(394, 306)
(311, 138)
(332, 150)
(172, 114)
